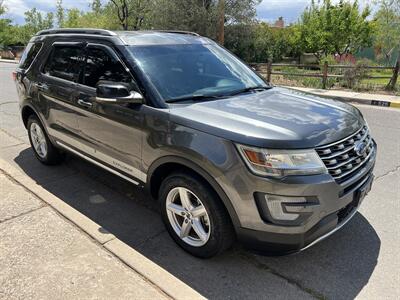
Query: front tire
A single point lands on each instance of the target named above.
(194, 215)
(41, 145)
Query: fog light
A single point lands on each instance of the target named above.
(277, 209)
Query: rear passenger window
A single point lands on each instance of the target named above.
(64, 62)
(101, 66)
(31, 50)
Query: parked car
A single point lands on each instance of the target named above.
(227, 155)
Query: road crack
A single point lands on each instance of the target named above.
(390, 172)
(259, 265)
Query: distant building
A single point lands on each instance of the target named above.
(280, 23)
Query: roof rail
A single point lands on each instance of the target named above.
(76, 31)
(179, 32)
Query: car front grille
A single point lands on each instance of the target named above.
(343, 158)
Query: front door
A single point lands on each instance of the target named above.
(110, 133)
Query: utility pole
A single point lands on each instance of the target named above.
(221, 22)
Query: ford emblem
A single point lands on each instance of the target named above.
(360, 148)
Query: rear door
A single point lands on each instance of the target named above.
(110, 133)
(57, 89)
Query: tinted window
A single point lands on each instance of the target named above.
(29, 55)
(101, 66)
(64, 62)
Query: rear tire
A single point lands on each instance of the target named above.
(202, 226)
(41, 145)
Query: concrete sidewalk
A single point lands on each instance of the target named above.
(350, 96)
(44, 256)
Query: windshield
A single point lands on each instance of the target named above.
(193, 70)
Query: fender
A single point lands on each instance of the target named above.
(195, 167)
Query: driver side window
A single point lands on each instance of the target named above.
(101, 66)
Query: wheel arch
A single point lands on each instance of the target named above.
(26, 111)
(164, 166)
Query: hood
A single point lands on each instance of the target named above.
(276, 118)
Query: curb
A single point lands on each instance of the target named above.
(364, 101)
(156, 275)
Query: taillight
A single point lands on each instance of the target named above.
(14, 75)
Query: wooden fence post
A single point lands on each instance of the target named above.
(393, 81)
(325, 75)
(269, 71)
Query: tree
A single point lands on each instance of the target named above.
(99, 17)
(5, 27)
(189, 15)
(60, 14)
(240, 11)
(387, 24)
(131, 13)
(34, 22)
(96, 7)
(202, 16)
(340, 28)
(73, 18)
(2, 7)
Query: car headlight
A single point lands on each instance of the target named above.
(281, 163)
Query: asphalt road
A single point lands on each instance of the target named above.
(361, 260)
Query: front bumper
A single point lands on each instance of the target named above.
(333, 206)
(281, 243)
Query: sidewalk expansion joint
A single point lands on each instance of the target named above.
(23, 186)
(42, 205)
(262, 266)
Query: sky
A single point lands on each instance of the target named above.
(267, 10)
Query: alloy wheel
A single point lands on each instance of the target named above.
(38, 140)
(188, 216)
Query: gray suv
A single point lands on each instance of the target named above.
(226, 155)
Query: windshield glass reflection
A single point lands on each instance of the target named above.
(182, 71)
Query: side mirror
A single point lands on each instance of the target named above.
(117, 93)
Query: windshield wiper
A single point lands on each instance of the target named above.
(211, 97)
(193, 98)
(249, 89)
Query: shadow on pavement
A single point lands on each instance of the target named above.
(338, 267)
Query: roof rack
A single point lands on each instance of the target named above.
(179, 32)
(76, 31)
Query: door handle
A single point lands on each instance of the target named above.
(85, 103)
(42, 87)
